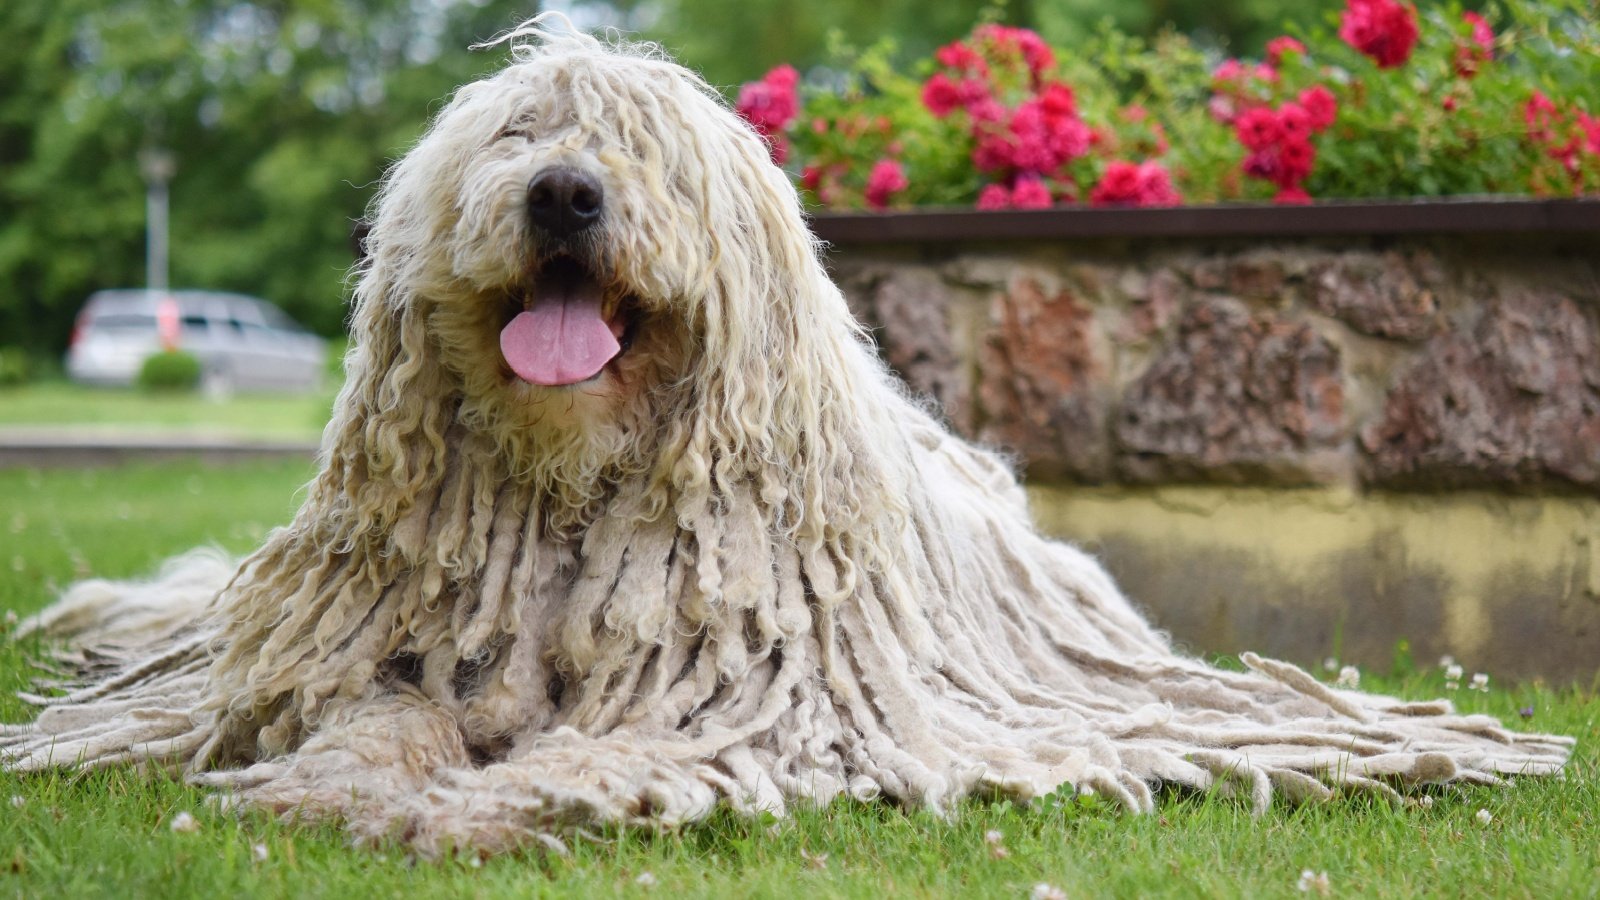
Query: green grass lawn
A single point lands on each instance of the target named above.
(73, 407)
(108, 834)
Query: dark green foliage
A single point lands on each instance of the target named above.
(170, 370)
(15, 366)
(281, 118)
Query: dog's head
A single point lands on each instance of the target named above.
(596, 259)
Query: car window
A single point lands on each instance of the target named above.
(254, 332)
(196, 324)
(123, 322)
(275, 318)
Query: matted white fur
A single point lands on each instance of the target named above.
(741, 567)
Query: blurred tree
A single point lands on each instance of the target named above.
(281, 114)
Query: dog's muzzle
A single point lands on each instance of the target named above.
(563, 201)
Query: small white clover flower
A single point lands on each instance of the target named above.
(1480, 682)
(1349, 677)
(997, 847)
(1313, 881)
(1330, 664)
(1046, 891)
(17, 801)
(1446, 661)
(184, 823)
(1484, 817)
(645, 879)
(259, 851)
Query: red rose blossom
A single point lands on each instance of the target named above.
(770, 105)
(1471, 56)
(1320, 106)
(887, 178)
(1030, 193)
(1292, 196)
(1134, 184)
(1382, 29)
(1257, 128)
(960, 56)
(1541, 117)
(1279, 46)
(994, 196)
(1036, 54)
(940, 95)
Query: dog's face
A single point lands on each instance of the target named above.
(576, 215)
(590, 268)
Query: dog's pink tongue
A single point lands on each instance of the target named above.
(562, 340)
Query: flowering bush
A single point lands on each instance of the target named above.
(1394, 103)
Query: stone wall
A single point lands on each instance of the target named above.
(1362, 369)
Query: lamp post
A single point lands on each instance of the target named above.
(157, 166)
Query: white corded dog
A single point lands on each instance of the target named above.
(620, 517)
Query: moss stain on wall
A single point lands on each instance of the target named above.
(1507, 584)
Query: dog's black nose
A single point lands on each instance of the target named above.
(563, 201)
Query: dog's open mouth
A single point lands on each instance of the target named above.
(566, 326)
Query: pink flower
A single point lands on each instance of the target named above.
(941, 96)
(1134, 184)
(1036, 54)
(1471, 56)
(1541, 117)
(1590, 127)
(1222, 108)
(1039, 137)
(770, 105)
(1382, 29)
(1292, 196)
(1030, 193)
(1227, 73)
(1320, 106)
(1294, 122)
(1257, 128)
(961, 57)
(1482, 34)
(1279, 46)
(994, 196)
(1237, 87)
(887, 178)
(993, 153)
(987, 109)
(1285, 164)
(1056, 99)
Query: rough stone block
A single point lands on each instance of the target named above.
(912, 309)
(1512, 399)
(1383, 295)
(1235, 396)
(1041, 381)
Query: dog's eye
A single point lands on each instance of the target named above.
(515, 133)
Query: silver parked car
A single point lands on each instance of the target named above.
(242, 343)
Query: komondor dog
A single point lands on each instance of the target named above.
(620, 518)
